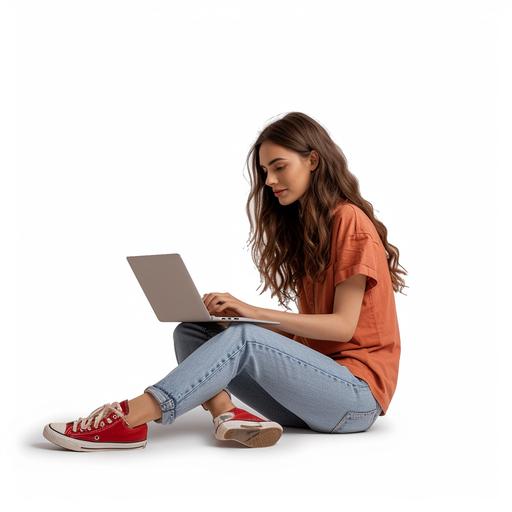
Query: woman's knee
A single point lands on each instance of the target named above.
(177, 335)
(188, 336)
(184, 329)
(184, 339)
(178, 330)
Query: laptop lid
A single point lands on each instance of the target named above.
(170, 289)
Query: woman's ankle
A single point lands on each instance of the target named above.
(219, 404)
(221, 409)
(142, 409)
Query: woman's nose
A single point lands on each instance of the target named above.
(269, 181)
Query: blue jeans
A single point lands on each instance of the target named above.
(282, 379)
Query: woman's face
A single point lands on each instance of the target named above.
(286, 169)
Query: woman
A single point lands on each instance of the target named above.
(332, 367)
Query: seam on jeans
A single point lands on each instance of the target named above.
(366, 414)
(309, 364)
(339, 422)
(212, 371)
(209, 333)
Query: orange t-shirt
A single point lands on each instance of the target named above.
(373, 353)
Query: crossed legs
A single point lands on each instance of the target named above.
(145, 408)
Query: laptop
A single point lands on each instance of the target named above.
(167, 284)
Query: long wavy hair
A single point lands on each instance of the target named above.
(291, 242)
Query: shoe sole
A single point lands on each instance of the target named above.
(251, 435)
(78, 445)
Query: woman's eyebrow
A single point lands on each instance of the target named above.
(272, 161)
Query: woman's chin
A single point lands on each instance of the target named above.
(284, 199)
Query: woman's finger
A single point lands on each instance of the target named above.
(213, 299)
(225, 305)
(207, 298)
(219, 304)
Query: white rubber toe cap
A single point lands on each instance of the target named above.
(59, 427)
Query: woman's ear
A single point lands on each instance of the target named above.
(313, 158)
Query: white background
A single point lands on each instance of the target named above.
(127, 125)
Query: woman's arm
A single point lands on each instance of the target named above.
(339, 325)
(316, 327)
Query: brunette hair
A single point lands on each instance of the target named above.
(294, 241)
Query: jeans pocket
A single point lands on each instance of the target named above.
(354, 421)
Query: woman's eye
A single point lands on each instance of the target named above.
(277, 169)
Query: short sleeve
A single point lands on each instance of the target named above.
(356, 254)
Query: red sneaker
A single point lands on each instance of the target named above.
(242, 426)
(110, 431)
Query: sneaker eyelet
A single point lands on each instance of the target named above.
(102, 424)
(96, 438)
(115, 416)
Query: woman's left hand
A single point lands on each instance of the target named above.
(224, 304)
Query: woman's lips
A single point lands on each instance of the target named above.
(280, 191)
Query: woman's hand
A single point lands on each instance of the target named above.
(224, 304)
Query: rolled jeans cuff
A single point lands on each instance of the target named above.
(167, 404)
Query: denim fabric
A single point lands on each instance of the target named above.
(282, 379)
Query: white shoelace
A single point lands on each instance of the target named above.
(97, 415)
